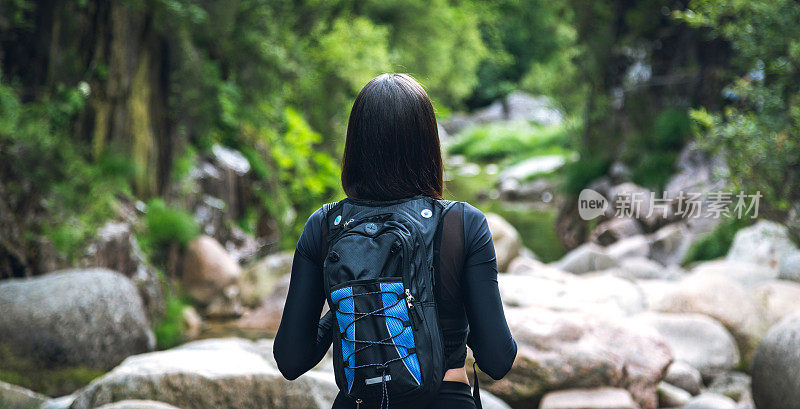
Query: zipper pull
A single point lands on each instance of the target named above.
(358, 403)
(409, 299)
(347, 222)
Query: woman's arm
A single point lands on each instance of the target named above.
(303, 338)
(489, 337)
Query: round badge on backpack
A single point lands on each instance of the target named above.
(371, 228)
(337, 220)
(426, 213)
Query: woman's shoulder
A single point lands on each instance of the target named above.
(472, 215)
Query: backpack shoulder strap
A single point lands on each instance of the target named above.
(326, 211)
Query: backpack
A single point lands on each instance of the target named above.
(379, 282)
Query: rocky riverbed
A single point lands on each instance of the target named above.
(604, 327)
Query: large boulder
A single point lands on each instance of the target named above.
(710, 401)
(489, 401)
(566, 292)
(723, 299)
(227, 373)
(697, 340)
(747, 274)
(92, 318)
(765, 243)
(655, 291)
(559, 350)
(211, 277)
(586, 258)
(777, 299)
(17, 397)
(776, 366)
(597, 398)
(789, 268)
(507, 243)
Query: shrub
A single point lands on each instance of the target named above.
(165, 225)
(511, 142)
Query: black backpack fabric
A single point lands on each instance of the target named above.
(379, 280)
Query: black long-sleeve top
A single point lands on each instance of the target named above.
(468, 299)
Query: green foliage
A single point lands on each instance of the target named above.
(169, 330)
(652, 156)
(579, 174)
(530, 45)
(296, 176)
(758, 132)
(716, 243)
(54, 175)
(511, 141)
(536, 228)
(165, 225)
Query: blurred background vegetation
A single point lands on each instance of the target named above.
(109, 109)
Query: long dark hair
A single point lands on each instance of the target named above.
(392, 149)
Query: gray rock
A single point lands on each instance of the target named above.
(92, 318)
(778, 299)
(670, 396)
(641, 268)
(655, 291)
(670, 243)
(507, 244)
(789, 268)
(765, 243)
(227, 373)
(697, 340)
(137, 404)
(489, 401)
(560, 350)
(17, 397)
(723, 299)
(776, 366)
(634, 246)
(599, 398)
(710, 401)
(734, 385)
(684, 376)
(586, 258)
(747, 274)
(559, 291)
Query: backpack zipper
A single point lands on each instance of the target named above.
(358, 403)
(414, 312)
